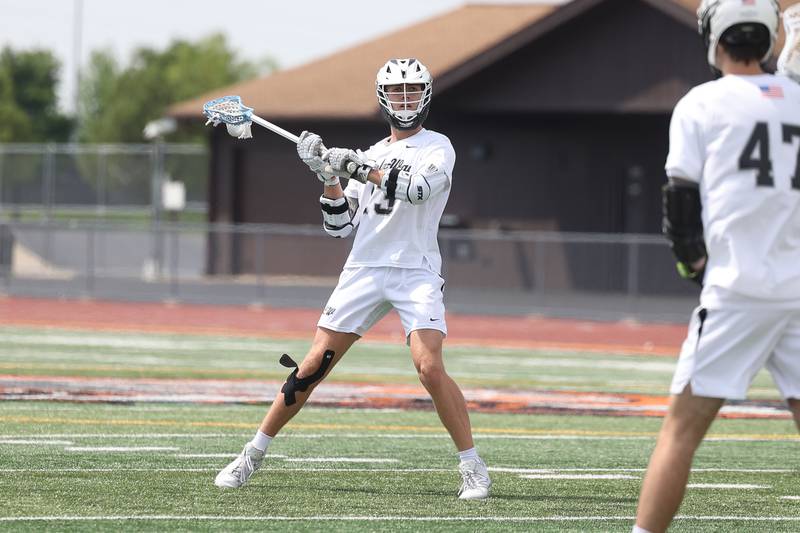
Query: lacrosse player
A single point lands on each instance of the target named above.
(392, 202)
(732, 214)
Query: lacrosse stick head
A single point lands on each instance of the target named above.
(230, 110)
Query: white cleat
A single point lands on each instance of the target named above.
(239, 471)
(476, 482)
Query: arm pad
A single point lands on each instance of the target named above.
(682, 223)
(404, 186)
(336, 217)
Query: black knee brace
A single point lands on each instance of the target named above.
(293, 383)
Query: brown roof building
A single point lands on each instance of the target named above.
(558, 114)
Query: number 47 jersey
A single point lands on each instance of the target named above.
(394, 232)
(738, 137)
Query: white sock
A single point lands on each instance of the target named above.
(261, 441)
(637, 529)
(468, 455)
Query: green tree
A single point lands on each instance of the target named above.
(28, 99)
(117, 102)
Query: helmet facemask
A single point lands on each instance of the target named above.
(404, 88)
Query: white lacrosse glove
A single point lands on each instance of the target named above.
(328, 179)
(340, 158)
(789, 60)
(310, 149)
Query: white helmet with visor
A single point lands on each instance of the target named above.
(404, 88)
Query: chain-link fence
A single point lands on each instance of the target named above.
(48, 180)
(86, 221)
(298, 265)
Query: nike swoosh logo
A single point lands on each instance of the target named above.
(434, 319)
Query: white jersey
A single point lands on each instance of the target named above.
(396, 233)
(739, 138)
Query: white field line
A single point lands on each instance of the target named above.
(206, 455)
(494, 436)
(578, 476)
(733, 438)
(400, 436)
(66, 470)
(144, 343)
(790, 497)
(339, 460)
(131, 359)
(561, 437)
(328, 518)
(543, 362)
(121, 449)
(514, 470)
(37, 441)
(216, 469)
(222, 455)
(734, 486)
(125, 436)
(524, 471)
(749, 470)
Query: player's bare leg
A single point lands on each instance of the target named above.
(664, 484)
(325, 339)
(240, 469)
(794, 407)
(426, 351)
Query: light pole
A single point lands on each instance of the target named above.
(77, 37)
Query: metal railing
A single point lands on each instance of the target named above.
(263, 264)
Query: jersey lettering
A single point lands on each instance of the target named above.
(396, 163)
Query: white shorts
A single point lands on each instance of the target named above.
(725, 349)
(365, 294)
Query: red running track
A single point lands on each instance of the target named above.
(501, 331)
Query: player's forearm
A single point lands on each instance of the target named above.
(334, 192)
(375, 176)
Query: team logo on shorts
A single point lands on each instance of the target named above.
(329, 311)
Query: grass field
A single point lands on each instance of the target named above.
(150, 465)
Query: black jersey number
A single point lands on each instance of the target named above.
(755, 155)
(789, 133)
(385, 207)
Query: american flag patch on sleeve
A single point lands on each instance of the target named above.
(771, 91)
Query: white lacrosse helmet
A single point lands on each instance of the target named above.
(404, 72)
(714, 17)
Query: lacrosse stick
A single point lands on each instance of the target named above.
(230, 110)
